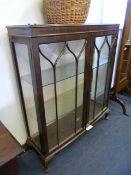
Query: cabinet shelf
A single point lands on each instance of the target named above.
(62, 72)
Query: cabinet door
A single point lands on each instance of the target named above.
(101, 72)
(62, 71)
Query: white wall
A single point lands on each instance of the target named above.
(95, 12)
(114, 11)
(13, 13)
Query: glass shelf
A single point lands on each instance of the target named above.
(63, 72)
(50, 108)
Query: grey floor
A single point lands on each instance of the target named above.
(104, 150)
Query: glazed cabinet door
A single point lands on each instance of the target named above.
(102, 66)
(62, 73)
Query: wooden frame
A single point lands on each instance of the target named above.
(33, 36)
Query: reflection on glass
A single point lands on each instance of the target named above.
(66, 99)
(80, 94)
(24, 69)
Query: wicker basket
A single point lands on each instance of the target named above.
(66, 11)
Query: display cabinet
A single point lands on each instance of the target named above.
(64, 75)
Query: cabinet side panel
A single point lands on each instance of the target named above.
(27, 88)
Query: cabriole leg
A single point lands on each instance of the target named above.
(121, 103)
(107, 116)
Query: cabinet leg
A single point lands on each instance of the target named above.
(46, 168)
(121, 103)
(106, 116)
(46, 164)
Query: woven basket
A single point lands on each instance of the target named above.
(66, 11)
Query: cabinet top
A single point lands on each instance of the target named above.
(52, 29)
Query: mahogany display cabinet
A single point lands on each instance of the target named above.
(64, 74)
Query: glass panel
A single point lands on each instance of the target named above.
(100, 71)
(80, 101)
(24, 69)
(101, 82)
(66, 96)
(125, 64)
(47, 72)
(78, 48)
(50, 113)
(63, 90)
(126, 60)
